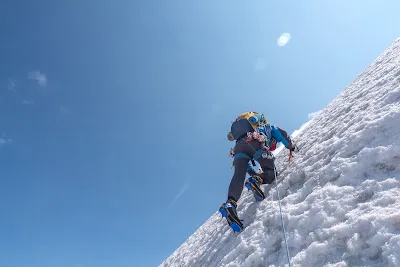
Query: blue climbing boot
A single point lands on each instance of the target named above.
(228, 211)
(253, 184)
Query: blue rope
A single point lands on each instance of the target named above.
(283, 224)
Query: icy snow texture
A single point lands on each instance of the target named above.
(340, 195)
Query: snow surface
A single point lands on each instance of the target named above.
(340, 194)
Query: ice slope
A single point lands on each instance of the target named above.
(341, 194)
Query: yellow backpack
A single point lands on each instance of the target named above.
(256, 119)
(245, 123)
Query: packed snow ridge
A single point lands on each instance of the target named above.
(340, 194)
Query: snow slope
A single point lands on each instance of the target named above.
(340, 195)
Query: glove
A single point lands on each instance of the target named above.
(294, 148)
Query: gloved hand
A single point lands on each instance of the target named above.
(294, 148)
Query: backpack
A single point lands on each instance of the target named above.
(240, 128)
(245, 123)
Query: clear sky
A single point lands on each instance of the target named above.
(114, 114)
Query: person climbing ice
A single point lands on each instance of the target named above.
(255, 139)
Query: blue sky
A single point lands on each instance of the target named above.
(114, 114)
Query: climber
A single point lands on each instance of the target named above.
(255, 139)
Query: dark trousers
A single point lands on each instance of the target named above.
(267, 165)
